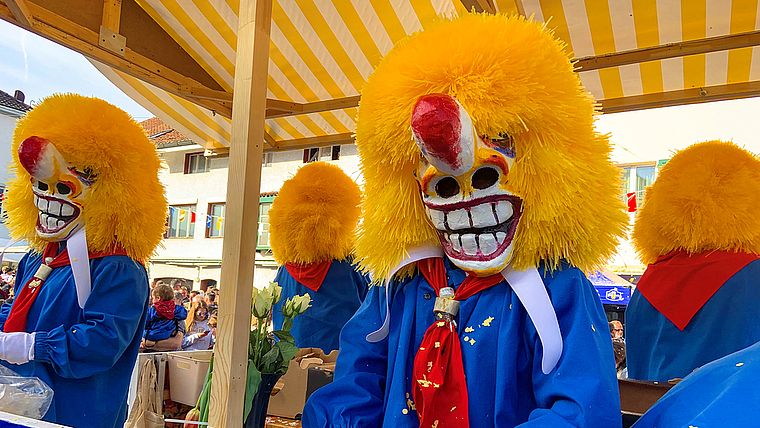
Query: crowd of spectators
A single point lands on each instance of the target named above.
(180, 318)
(7, 281)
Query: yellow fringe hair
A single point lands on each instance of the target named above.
(512, 76)
(705, 198)
(313, 218)
(126, 206)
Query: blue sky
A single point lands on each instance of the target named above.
(39, 68)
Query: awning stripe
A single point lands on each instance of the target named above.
(389, 20)
(372, 23)
(359, 32)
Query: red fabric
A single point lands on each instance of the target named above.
(439, 389)
(16, 321)
(679, 284)
(631, 202)
(165, 308)
(311, 275)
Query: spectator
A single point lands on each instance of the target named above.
(6, 274)
(198, 331)
(164, 316)
(211, 302)
(185, 294)
(178, 298)
(620, 363)
(616, 329)
(212, 324)
(193, 293)
(176, 284)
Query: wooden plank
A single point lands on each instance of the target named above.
(637, 396)
(681, 97)
(479, 5)
(276, 108)
(672, 50)
(112, 14)
(20, 11)
(311, 142)
(241, 223)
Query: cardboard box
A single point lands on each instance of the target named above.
(288, 402)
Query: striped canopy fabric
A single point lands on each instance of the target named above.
(325, 49)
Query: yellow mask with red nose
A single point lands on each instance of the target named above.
(59, 189)
(463, 180)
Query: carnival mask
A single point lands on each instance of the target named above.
(463, 180)
(59, 189)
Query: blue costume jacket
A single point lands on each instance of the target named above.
(723, 393)
(657, 350)
(502, 359)
(159, 327)
(340, 295)
(85, 355)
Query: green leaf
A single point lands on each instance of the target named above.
(270, 358)
(288, 324)
(284, 336)
(287, 350)
(203, 399)
(252, 381)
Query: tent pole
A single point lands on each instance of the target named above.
(241, 222)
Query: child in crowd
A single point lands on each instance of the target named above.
(163, 317)
(197, 336)
(212, 325)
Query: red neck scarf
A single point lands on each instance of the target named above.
(165, 308)
(678, 284)
(311, 275)
(16, 321)
(439, 389)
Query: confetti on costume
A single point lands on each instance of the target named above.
(476, 141)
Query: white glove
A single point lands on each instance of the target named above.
(17, 348)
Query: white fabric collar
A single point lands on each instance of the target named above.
(79, 257)
(527, 285)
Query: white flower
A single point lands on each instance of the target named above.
(300, 304)
(275, 291)
(262, 303)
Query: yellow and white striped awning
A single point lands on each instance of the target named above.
(325, 49)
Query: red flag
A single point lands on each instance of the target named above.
(631, 202)
(192, 216)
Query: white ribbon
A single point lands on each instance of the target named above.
(413, 255)
(530, 289)
(79, 257)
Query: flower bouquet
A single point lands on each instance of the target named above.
(269, 352)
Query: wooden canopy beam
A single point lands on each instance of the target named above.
(686, 96)
(312, 142)
(241, 223)
(277, 108)
(671, 50)
(20, 12)
(112, 14)
(479, 5)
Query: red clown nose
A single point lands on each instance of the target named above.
(443, 132)
(30, 152)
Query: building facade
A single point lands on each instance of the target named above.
(196, 188)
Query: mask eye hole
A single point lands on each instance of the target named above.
(447, 187)
(63, 189)
(42, 186)
(485, 178)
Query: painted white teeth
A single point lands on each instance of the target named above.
(60, 224)
(500, 237)
(42, 204)
(54, 208)
(469, 244)
(487, 243)
(503, 211)
(458, 219)
(482, 216)
(437, 218)
(454, 239)
(52, 223)
(67, 210)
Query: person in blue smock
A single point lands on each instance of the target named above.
(699, 298)
(723, 393)
(311, 226)
(479, 218)
(82, 291)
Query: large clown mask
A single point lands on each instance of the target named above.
(463, 180)
(59, 189)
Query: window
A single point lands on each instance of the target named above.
(267, 159)
(625, 179)
(215, 220)
(644, 179)
(315, 154)
(195, 163)
(264, 205)
(181, 221)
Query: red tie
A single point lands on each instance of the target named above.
(16, 321)
(312, 275)
(439, 389)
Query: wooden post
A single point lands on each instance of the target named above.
(241, 222)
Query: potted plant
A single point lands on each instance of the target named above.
(269, 352)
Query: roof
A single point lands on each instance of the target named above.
(7, 100)
(161, 134)
(324, 51)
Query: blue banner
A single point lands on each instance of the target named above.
(613, 294)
